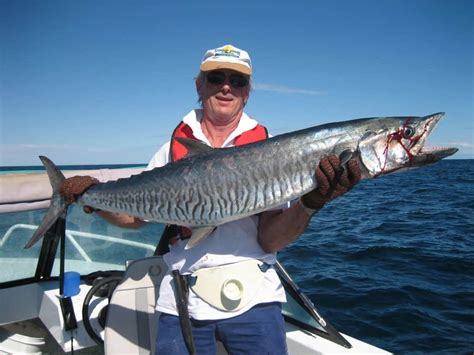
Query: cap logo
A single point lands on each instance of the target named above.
(227, 51)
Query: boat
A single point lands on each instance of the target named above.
(111, 308)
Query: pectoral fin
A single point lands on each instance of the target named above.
(345, 156)
(198, 235)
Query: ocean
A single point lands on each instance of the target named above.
(391, 262)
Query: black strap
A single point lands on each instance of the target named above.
(180, 286)
(181, 296)
(62, 260)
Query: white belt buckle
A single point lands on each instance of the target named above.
(231, 293)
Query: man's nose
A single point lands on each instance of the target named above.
(226, 88)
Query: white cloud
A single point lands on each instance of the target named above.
(286, 89)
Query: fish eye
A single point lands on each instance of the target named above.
(408, 132)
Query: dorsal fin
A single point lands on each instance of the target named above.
(194, 147)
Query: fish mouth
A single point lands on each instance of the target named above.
(428, 155)
(431, 154)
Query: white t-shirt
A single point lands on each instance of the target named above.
(228, 243)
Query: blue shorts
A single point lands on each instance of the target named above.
(260, 330)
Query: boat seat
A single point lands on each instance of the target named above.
(132, 322)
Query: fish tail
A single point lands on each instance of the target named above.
(58, 204)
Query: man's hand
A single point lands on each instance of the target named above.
(75, 186)
(333, 181)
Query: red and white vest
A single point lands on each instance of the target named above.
(178, 151)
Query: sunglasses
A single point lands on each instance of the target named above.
(237, 81)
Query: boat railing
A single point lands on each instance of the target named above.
(72, 236)
(24, 197)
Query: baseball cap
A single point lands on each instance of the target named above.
(227, 57)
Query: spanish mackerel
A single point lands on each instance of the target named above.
(210, 187)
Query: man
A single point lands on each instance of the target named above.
(243, 311)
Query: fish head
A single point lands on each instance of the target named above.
(396, 143)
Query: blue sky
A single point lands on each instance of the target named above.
(96, 82)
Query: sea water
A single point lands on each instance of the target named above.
(392, 262)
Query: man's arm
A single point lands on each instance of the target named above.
(121, 220)
(279, 228)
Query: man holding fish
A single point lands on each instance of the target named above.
(233, 293)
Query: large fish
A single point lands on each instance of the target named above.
(214, 186)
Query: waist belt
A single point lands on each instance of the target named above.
(229, 287)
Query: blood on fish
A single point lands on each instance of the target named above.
(398, 136)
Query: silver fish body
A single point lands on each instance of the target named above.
(216, 186)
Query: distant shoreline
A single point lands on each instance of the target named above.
(40, 168)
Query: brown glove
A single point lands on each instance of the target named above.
(75, 186)
(333, 181)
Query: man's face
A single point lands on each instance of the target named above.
(224, 94)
